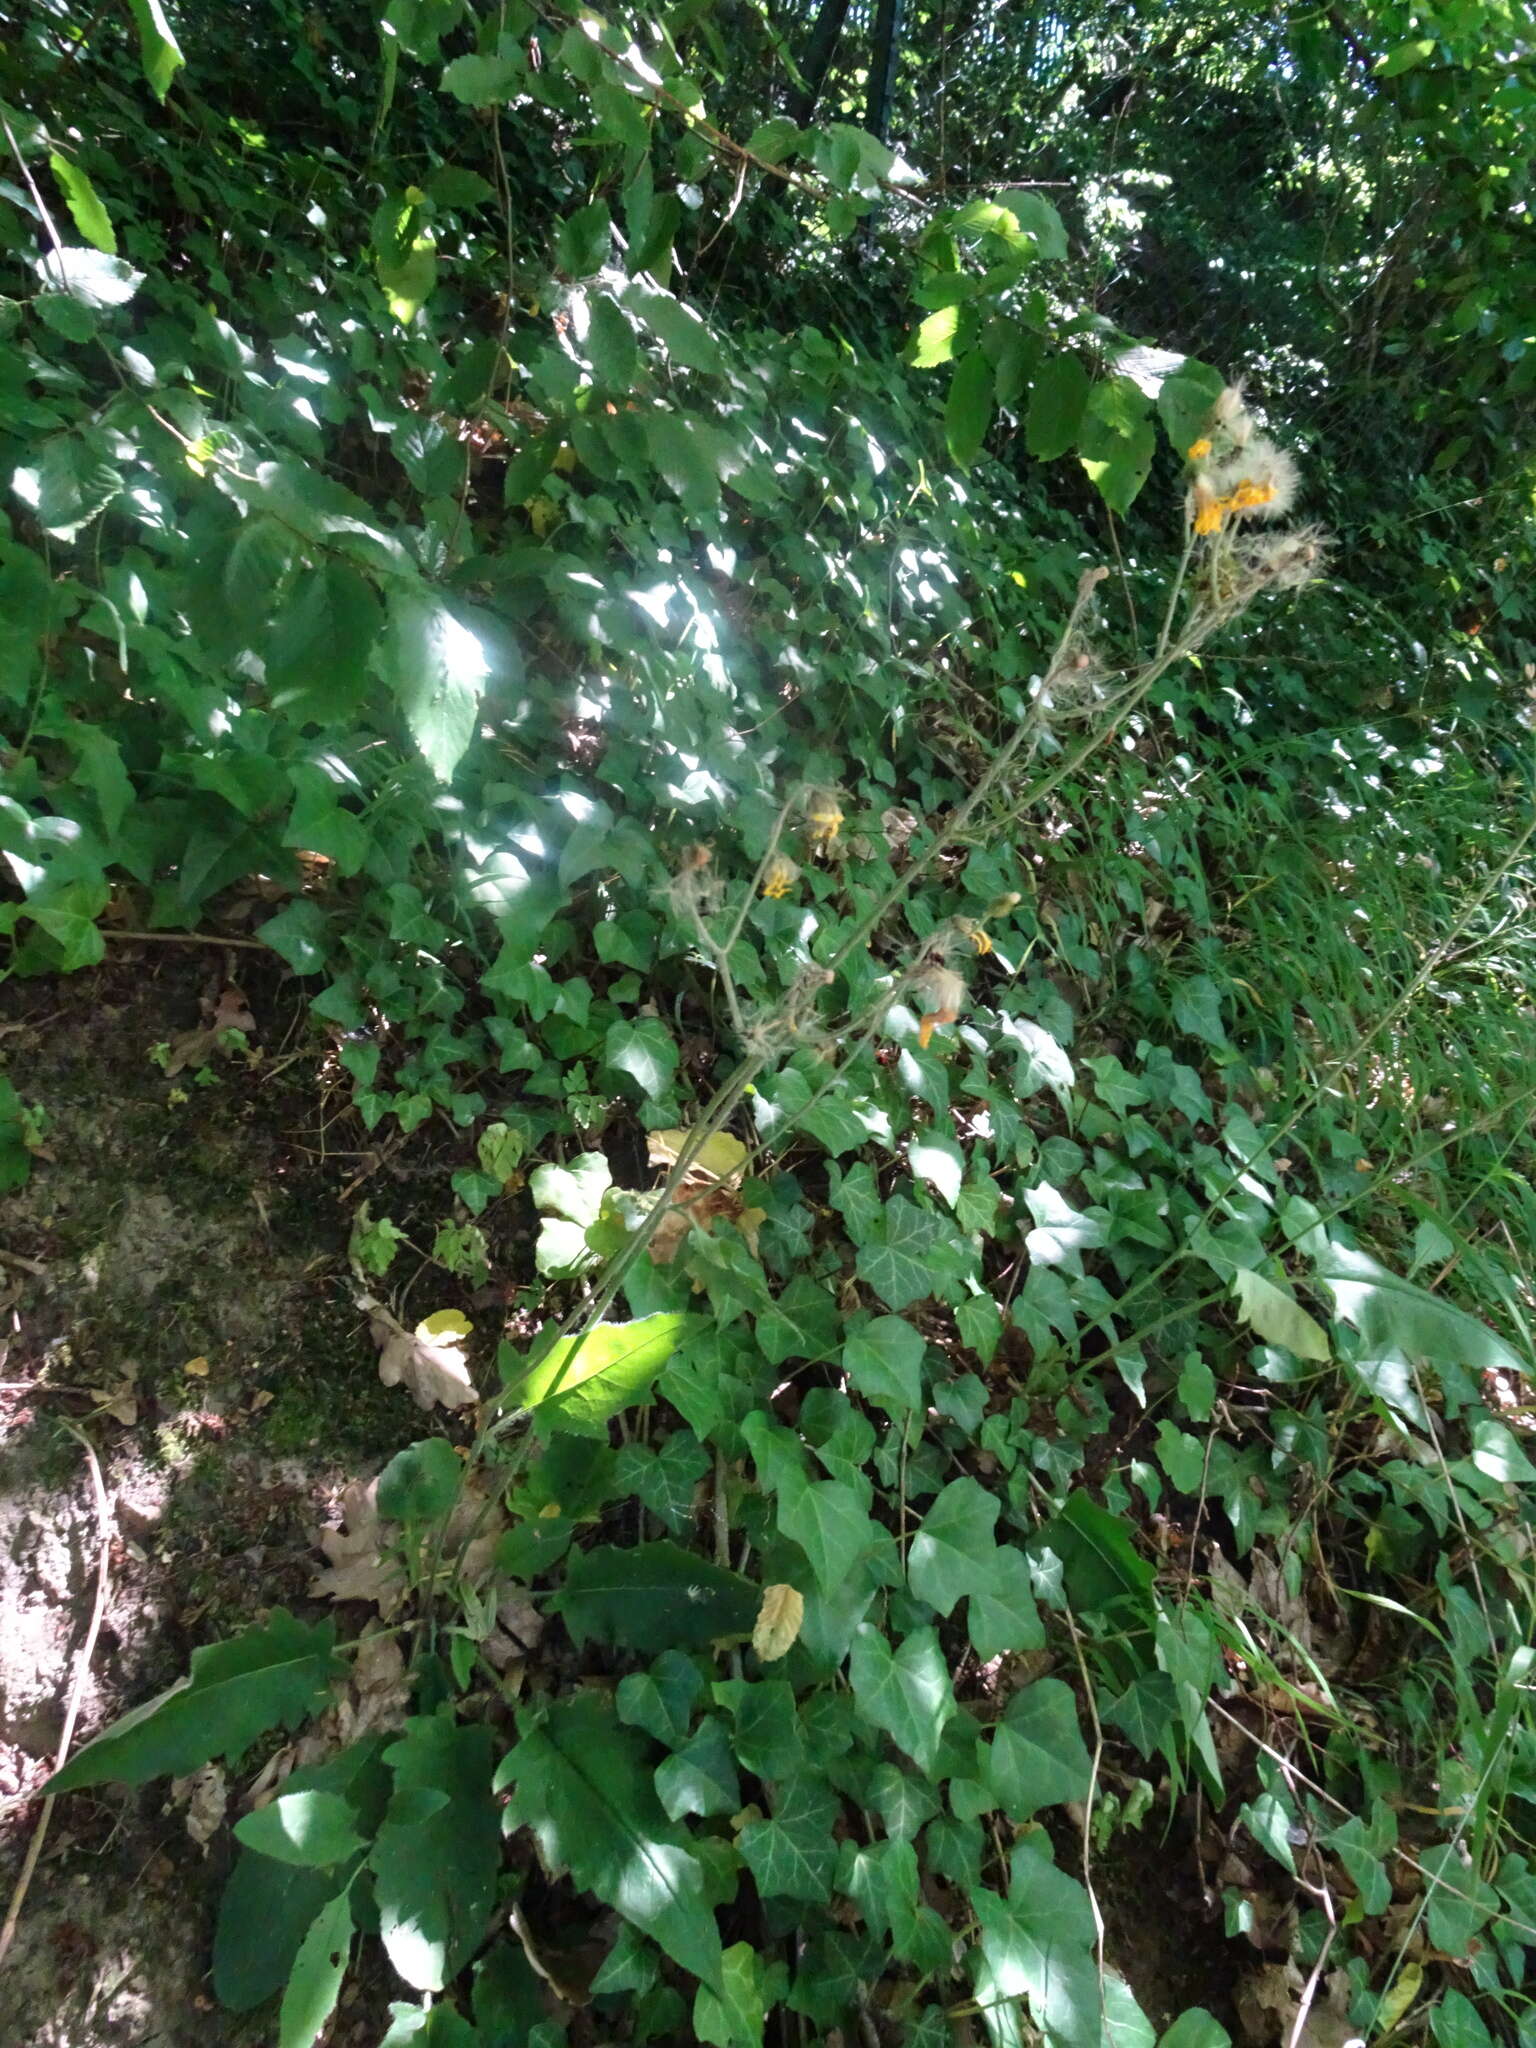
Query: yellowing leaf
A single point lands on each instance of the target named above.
(721, 1156)
(428, 1360)
(1278, 1317)
(197, 1366)
(778, 1622)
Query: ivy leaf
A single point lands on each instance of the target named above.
(905, 1692)
(645, 1051)
(271, 1676)
(884, 1361)
(1196, 2028)
(437, 669)
(656, 1596)
(1037, 1945)
(1037, 1756)
(320, 1965)
(793, 1855)
(435, 1858)
(897, 1260)
(735, 2018)
(828, 1521)
(1002, 1615)
(802, 1323)
(581, 1383)
(701, 1777)
(582, 1784)
(953, 1552)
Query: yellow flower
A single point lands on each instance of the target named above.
(1248, 497)
(979, 937)
(780, 876)
(1199, 450)
(1208, 516)
(823, 815)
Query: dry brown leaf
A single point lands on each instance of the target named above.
(357, 1568)
(778, 1622)
(196, 1048)
(429, 1360)
(205, 1796)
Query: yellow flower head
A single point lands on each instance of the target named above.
(780, 876)
(823, 815)
(1261, 480)
(978, 935)
(1205, 508)
(1199, 450)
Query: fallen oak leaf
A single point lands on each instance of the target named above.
(195, 1048)
(357, 1567)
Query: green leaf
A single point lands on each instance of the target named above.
(656, 1596)
(802, 1323)
(1055, 408)
(1037, 1756)
(271, 1676)
(646, 1052)
(1185, 400)
(1277, 1316)
(907, 1693)
(298, 933)
(422, 1482)
(1404, 56)
(95, 279)
(953, 1552)
(1197, 1010)
(1196, 2028)
(319, 1967)
(828, 1521)
(1037, 1945)
(435, 1860)
(75, 482)
(701, 1777)
(481, 81)
(677, 327)
(1002, 1616)
(437, 669)
(884, 1362)
(897, 1259)
(84, 204)
(1037, 217)
(735, 2018)
(583, 1786)
(968, 409)
(935, 339)
(581, 1383)
(159, 51)
(1460, 1901)
(1392, 1314)
(793, 1855)
(311, 1829)
(584, 240)
(574, 1190)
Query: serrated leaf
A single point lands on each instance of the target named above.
(583, 1785)
(434, 1862)
(84, 203)
(75, 482)
(271, 1676)
(655, 1596)
(1055, 408)
(97, 280)
(437, 669)
(159, 51)
(968, 409)
(906, 1691)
